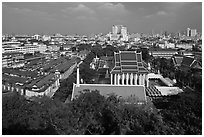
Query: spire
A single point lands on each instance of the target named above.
(107, 74)
(78, 81)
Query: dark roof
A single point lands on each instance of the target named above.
(43, 82)
(152, 92)
(187, 61)
(196, 64)
(64, 66)
(32, 74)
(177, 60)
(162, 50)
(12, 53)
(13, 79)
(128, 62)
(52, 63)
(124, 91)
(106, 58)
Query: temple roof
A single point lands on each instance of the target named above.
(123, 91)
(128, 62)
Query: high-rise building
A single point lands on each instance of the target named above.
(117, 29)
(193, 32)
(188, 33)
(124, 30)
(124, 34)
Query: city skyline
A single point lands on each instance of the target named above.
(99, 17)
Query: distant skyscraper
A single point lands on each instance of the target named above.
(193, 32)
(124, 30)
(188, 33)
(117, 29)
(124, 34)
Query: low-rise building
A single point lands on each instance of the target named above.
(163, 53)
(12, 60)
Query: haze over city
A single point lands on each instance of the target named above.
(98, 17)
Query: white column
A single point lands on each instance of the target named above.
(143, 79)
(131, 79)
(147, 80)
(123, 78)
(111, 79)
(118, 79)
(127, 79)
(115, 79)
(78, 81)
(140, 81)
(135, 79)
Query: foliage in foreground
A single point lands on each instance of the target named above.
(92, 113)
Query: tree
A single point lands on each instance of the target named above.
(184, 114)
(21, 116)
(92, 113)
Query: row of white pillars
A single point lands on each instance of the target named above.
(115, 79)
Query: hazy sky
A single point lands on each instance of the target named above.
(98, 17)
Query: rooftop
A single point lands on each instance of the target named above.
(124, 91)
(128, 62)
(19, 73)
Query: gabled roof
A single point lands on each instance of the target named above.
(187, 61)
(177, 60)
(195, 64)
(128, 62)
(123, 91)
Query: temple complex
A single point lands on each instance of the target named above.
(129, 69)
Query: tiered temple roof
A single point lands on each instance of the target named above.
(128, 62)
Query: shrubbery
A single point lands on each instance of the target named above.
(92, 113)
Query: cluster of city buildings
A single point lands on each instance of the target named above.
(119, 32)
(130, 77)
(34, 65)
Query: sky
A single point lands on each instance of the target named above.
(99, 17)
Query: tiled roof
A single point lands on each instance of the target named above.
(196, 65)
(187, 61)
(178, 60)
(32, 74)
(43, 82)
(128, 62)
(53, 63)
(106, 58)
(124, 91)
(12, 53)
(64, 66)
(13, 79)
(153, 92)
